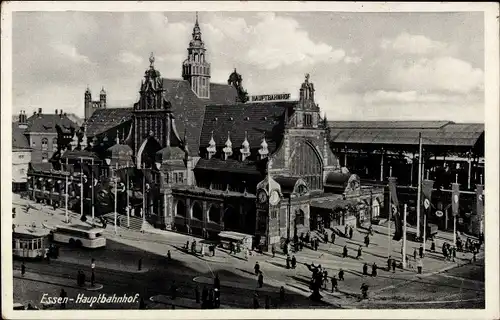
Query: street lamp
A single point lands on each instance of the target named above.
(108, 162)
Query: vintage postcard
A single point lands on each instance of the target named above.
(299, 159)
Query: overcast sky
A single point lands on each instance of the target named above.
(365, 66)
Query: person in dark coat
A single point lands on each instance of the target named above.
(169, 256)
(282, 294)
(374, 269)
(334, 284)
(294, 262)
(359, 253)
(364, 290)
(260, 280)
(453, 253)
(273, 250)
(257, 268)
(389, 260)
(217, 281)
(344, 252)
(365, 269)
(288, 261)
(325, 278)
(325, 237)
(367, 240)
(415, 254)
(433, 246)
(341, 275)
(23, 268)
(333, 236)
(394, 265)
(350, 233)
(421, 252)
(346, 231)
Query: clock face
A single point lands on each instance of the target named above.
(275, 198)
(262, 196)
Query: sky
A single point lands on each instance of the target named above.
(365, 66)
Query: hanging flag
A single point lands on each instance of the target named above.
(398, 234)
(455, 196)
(427, 186)
(479, 199)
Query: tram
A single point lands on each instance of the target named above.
(30, 243)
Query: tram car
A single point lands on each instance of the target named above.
(30, 243)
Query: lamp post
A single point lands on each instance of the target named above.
(115, 182)
(158, 167)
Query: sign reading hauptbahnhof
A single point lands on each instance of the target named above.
(270, 97)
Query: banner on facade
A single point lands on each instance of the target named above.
(398, 233)
(480, 199)
(427, 186)
(455, 197)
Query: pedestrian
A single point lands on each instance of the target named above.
(334, 284)
(169, 256)
(197, 294)
(474, 257)
(202, 250)
(364, 290)
(301, 245)
(217, 281)
(341, 274)
(285, 247)
(346, 231)
(23, 269)
(63, 295)
(255, 301)
(325, 278)
(139, 267)
(173, 290)
(421, 252)
(393, 265)
(359, 253)
(246, 253)
(260, 280)
(333, 236)
(325, 237)
(282, 294)
(142, 305)
(187, 245)
(288, 261)
(433, 246)
(415, 254)
(367, 240)
(294, 262)
(273, 250)
(267, 302)
(344, 253)
(374, 270)
(350, 232)
(389, 260)
(365, 269)
(92, 278)
(420, 265)
(453, 253)
(257, 268)
(370, 230)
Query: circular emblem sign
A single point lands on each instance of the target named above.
(455, 198)
(460, 220)
(427, 203)
(439, 213)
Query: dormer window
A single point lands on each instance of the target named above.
(263, 151)
(245, 148)
(211, 149)
(308, 121)
(228, 150)
(45, 144)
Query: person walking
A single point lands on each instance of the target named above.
(367, 240)
(346, 231)
(453, 253)
(273, 250)
(288, 261)
(92, 279)
(433, 246)
(341, 274)
(344, 252)
(351, 231)
(256, 268)
(420, 265)
(393, 265)
(415, 254)
(333, 236)
(260, 280)
(421, 252)
(359, 253)
(325, 278)
(217, 281)
(389, 260)
(294, 262)
(23, 268)
(374, 269)
(364, 290)
(365, 269)
(334, 284)
(169, 256)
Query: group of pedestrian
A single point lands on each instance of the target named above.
(348, 231)
(291, 262)
(391, 263)
(449, 252)
(374, 269)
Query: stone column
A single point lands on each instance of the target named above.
(382, 156)
(222, 216)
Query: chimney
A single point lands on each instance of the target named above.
(60, 113)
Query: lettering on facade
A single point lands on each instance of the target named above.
(270, 97)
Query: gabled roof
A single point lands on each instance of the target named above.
(257, 119)
(46, 123)
(104, 119)
(188, 109)
(19, 140)
(406, 132)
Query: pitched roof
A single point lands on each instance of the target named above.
(107, 118)
(257, 119)
(188, 109)
(230, 165)
(19, 140)
(406, 132)
(46, 123)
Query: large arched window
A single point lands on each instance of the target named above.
(231, 219)
(306, 164)
(214, 213)
(180, 209)
(54, 144)
(375, 208)
(299, 217)
(197, 211)
(45, 144)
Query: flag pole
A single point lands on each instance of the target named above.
(404, 237)
(419, 185)
(455, 219)
(67, 190)
(92, 183)
(116, 195)
(81, 186)
(389, 226)
(128, 201)
(425, 231)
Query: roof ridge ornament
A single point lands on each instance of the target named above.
(211, 149)
(263, 151)
(228, 150)
(152, 60)
(245, 150)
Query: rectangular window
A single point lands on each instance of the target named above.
(21, 156)
(181, 177)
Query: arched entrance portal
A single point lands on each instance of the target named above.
(231, 219)
(214, 213)
(146, 153)
(197, 211)
(180, 209)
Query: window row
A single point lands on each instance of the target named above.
(45, 144)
